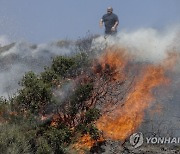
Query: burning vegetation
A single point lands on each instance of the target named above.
(79, 102)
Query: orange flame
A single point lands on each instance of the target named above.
(124, 120)
(86, 142)
(54, 119)
(121, 122)
(112, 62)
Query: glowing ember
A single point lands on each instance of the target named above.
(55, 120)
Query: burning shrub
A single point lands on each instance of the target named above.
(106, 83)
(52, 135)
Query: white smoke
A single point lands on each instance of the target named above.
(16, 59)
(4, 40)
(146, 44)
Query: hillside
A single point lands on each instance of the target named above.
(86, 96)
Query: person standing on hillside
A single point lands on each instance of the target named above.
(110, 21)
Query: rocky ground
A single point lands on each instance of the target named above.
(115, 147)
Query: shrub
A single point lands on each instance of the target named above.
(92, 115)
(4, 109)
(12, 140)
(58, 138)
(26, 133)
(84, 44)
(94, 132)
(49, 76)
(35, 95)
(43, 147)
(82, 93)
(61, 65)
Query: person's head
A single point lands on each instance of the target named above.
(109, 10)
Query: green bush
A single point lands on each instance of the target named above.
(61, 65)
(35, 95)
(81, 94)
(58, 138)
(12, 140)
(4, 109)
(25, 131)
(92, 115)
(43, 147)
(65, 67)
(94, 132)
(49, 76)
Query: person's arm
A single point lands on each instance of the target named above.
(116, 24)
(101, 23)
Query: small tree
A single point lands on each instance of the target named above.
(91, 115)
(49, 76)
(12, 140)
(61, 65)
(82, 93)
(35, 95)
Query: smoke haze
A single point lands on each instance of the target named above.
(20, 57)
(146, 44)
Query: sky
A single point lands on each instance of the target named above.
(40, 21)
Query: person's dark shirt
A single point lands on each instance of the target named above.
(109, 21)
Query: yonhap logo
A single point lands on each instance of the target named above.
(136, 139)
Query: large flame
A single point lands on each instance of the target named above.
(121, 122)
